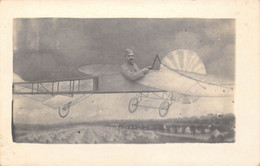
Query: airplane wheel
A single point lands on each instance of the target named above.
(164, 108)
(63, 112)
(133, 104)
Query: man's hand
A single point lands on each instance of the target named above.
(145, 70)
(149, 67)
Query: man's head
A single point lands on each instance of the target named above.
(129, 55)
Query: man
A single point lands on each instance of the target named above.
(130, 70)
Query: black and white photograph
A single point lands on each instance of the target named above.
(123, 80)
(129, 83)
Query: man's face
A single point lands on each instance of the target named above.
(130, 58)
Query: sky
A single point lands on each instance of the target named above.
(51, 48)
(54, 48)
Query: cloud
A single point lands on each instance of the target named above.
(188, 40)
(222, 30)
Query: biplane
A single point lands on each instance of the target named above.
(179, 77)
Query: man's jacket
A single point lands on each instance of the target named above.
(131, 72)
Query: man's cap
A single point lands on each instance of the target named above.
(128, 52)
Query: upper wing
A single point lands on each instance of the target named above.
(100, 69)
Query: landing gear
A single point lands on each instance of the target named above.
(133, 104)
(164, 108)
(64, 111)
(167, 98)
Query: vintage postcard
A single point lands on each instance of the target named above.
(123, 80)
(114, 85)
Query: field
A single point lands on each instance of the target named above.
(93, 134)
